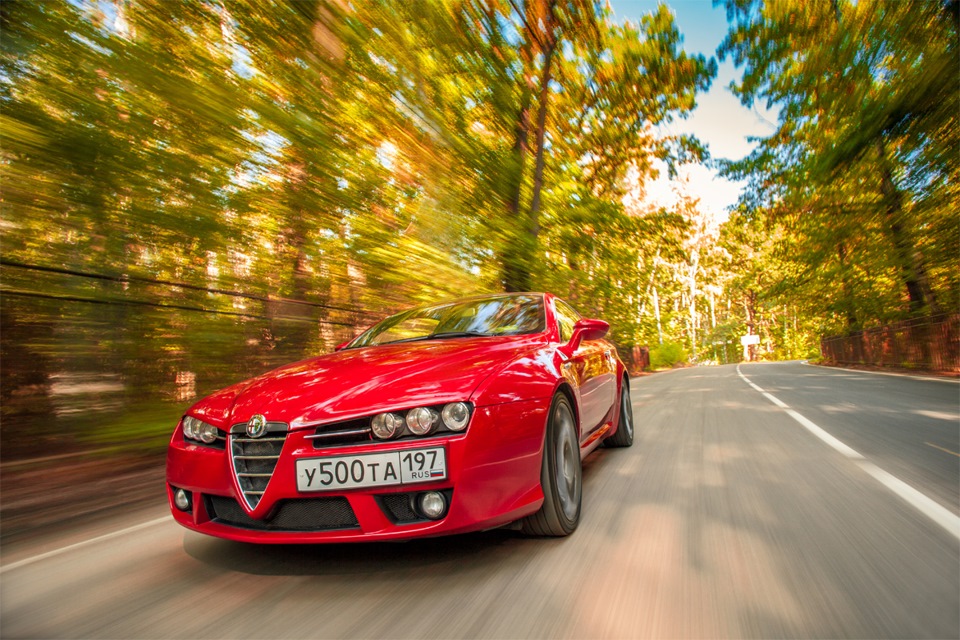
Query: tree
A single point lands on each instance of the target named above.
(196, 192)
(858, 171)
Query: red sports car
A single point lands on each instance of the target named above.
(450, 418)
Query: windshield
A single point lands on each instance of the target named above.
(500, 316)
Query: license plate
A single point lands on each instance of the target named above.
(372, 469)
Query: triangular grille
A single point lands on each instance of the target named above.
(254, 459)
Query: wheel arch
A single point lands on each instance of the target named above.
(566, 389)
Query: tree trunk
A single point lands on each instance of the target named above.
(749, 309)
(847, 289)
(656, 311)
(692, 310)
(646, 294)
(515, 274)
(713, 312)
(903, 247)
(541, 137)
(520, 253)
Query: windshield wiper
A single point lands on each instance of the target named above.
(458, 334)
(441, 335)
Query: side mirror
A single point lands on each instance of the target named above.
(591, 329)
(586, 329)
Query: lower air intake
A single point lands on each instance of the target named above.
(309, 514)
(399, 507)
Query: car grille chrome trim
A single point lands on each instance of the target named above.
(253, 460)
(337, 434)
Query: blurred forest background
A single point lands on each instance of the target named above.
(194, 192)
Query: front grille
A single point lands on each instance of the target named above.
(342, 433)
(254, 459)
(308, 514)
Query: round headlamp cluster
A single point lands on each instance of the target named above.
(421, 421)
(194, 429)
(386, 425)
(456, 415)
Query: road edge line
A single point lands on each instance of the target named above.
(916, 499)
(884, 373)
(82, 543)
(925, 505)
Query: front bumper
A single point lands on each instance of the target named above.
(493, 478)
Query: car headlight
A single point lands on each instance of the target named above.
(190, 425)
(196, 429)
(437, 419)
(386, 425)
(456, 415)
(208, 433)
(421, 420)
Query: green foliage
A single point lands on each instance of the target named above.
(667, 355)
(195, 192)
(851, 214)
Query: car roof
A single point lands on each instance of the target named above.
(482, 296)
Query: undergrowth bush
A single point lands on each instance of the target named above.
(667, 355)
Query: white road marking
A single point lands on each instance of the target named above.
(885, 373)
(823, 435)
(938, 415)
(928, 507)
(775, 400)
(83, 543)
(925, 505)
(935, 446)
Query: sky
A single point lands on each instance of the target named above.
(719, 119)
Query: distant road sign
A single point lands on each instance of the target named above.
(749, 339)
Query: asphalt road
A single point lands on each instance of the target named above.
(828, 509)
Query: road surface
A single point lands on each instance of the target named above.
(773, 500)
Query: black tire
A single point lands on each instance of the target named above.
(624, 435)
(561, 475)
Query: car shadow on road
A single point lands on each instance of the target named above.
(346, 559)
(453, 554)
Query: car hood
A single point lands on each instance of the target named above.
(357, 382)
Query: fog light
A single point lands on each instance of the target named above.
(432, 504)
(181, 499)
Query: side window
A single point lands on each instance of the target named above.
(566, 318)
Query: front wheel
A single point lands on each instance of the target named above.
(624, 435)
(560, 475)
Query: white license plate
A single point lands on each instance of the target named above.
(371, 469)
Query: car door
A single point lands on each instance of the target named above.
(591, 369)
